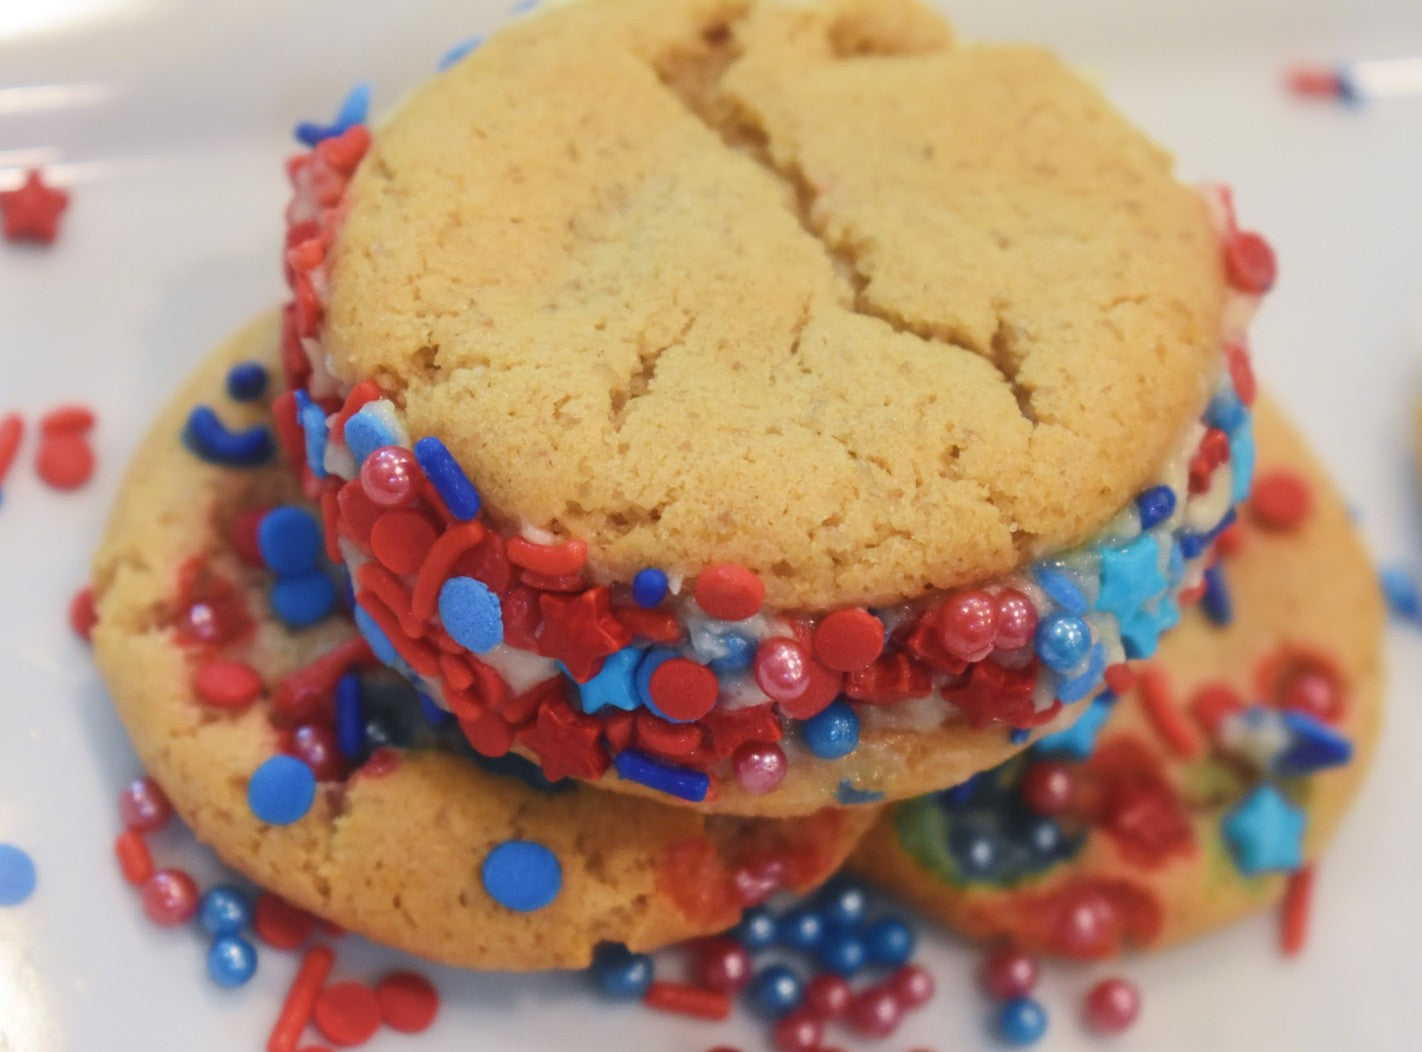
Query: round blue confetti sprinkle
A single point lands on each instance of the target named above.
(471, 614)
(801, 929)
(281, 790)
(621, 974)
(833, 732)
(889, 941)
(246, 381)
(1062, 641)
(842, 951)
(303, 601)
(290, 541)
(757, 929)
(521, 875)
(231, 961)
(224, 910)
(1021, 1022)
(844, 904)
(775, 992)
(17, 875)
(649, 587)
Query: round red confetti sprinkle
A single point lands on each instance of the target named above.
(67, 419)
(1112, 1006)
(82, 616)
(346, 1013)
(1249, 262)
(65, 461)
(1010, 973)
(279, 924)
(227, 684)
(143, 806)
(1280, 500)
(408, 1002)
(401, 540)
(683, 690)
(849, 639)
(169, 898)
(242, 535)
(729, 592)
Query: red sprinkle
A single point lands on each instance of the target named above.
(1241, 373)
(134, 859)
(82, 616)
(242, 535)
(1112, 1006)
(32, 212)
(1249, 263)
(67, 420)
(729, 592)
(300, 997)
(849, 639)
(346, 1013)
(408, 1002)
(12, 431)
(1295, 911)
(143, 806)
(1165, 715)
(1280, 500)
(1120, 678)
(550, 560)
(798, 1032)
(401, 540)
(1211, 704)
(279, 924)
(169, 897)
(65, 460)
(1313, 82)
(687, 1000)
(227, 684)
(683, 689)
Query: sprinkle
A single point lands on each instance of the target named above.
(688, 1000)
(231, 961)
(134, 859)
(1021, 1022)
(550, 560)
(448, 478)
(1078, 740)
(1063, 641)
(372, 427)
(580, 631)
(1165, 715)
(1295, 910)
(471, 614)
(312, 419)
(401, 540)
(457, 52)
(300, 997)
(281, 790)
(1281, 500)
(143, 806)
(408, 1002)
(169, 898)
(1265, 833)
(447, 550)
(375, 636)
(279, 924)
(849, 795)
(224, 910)
(355, 109)
(1401, 593)
(305, 600)
(681, 782)
(649, 588)
(208, 437)
(82, 615)
(1313, 746)
(346, 1013)
(729, 592)
(681, 690)
(350, 718)
(1119, 677)
(1018, 736)
(1111, 1006)
(521, 875)
(849, 639)
(227, 684)
(246, 381)
(833, 732)
(1249, 262)
(1212, 705)
(65, 460)
(17, 875)
(1216, 601)
(615, 684)
(12, 432)
(32, 212)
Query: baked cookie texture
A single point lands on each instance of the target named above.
(811, 289)
(1303, 599)
(394, 851)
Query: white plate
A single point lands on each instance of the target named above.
(171, 135)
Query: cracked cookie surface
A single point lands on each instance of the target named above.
(809, 288)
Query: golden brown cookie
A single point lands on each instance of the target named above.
(397, 840)
(1198, 796)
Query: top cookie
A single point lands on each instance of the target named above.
(809, 289)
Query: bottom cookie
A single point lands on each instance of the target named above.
(388, 827)
(1188, 802)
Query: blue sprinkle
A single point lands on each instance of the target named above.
(312, 419)
(224, 910)
(960, 795)
(849, 795)
(350, 717)
(1225, 411)
(366, 431)
(651, 661)
(615, 684)
(801, 929)
(448, 478)
(890, 941)
(457, 52)
(1079, 686)
(208, 437)
(290, 541)
(738, 657)
(281, 790)
(1216, 600)
(246, 381)
(1061, 588)
(1241, 457)
(512, 765)
(1062, 641)
(231, 961)
(1018, 735)
(681, 782)
(380, 644)
(434, 715)
(1021, 1022)
(775, 992)
(842, 951)
(471, 614)
(1401, 593)
(649, 588)
(303, 601)
(17, 875)
(522, 875)
(619, 973)
(355, 108)
(1313, 746)
(844, 903)
(833, 732)
(757, 929)
(1078, 740)
(1155, 506)
(1265, 833)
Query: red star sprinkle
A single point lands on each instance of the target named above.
(580, 631)
(32, 212)
(565, 742)
(994, 694)
(728, 730)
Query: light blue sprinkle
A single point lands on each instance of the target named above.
(1400, 590)
(1078, 740)
(1264, 832)
(471, 613)
(366, 432)
(380, 644)
(312, 419)
(615, 685)
(1078, 687)
(848, 795)
(1060, 587)
(457, 52)
(1241, 457)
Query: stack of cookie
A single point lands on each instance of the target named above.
(726, 419)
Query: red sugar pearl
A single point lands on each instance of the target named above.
(781, 669)
(1010, 973)
(729, 592)
(65, 460)
(875, 1012)
(82, 616)
(390, 477)
(1249, 262)
(1047, 787)
(227, 684)
(850, 639)
(143, 806)
(401, 540)
(242, 535)
(1280, 500)
(683, 690)
(1088, 927)
(967, 624)
(314, 744)
(169, 898)
(408, 1002)
(279, 924)
(720, 964)
(797, 1032)
(1016, 620)
(759, 767)
(1314, 693)
(828, 996)
(1112, 1005)
(913, 985)
(346, 1013)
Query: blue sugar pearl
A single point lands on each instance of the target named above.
(471, 614)
(649, 587)
(844, 904)
(246, 381)
(620, 973)
(1062, 641)
(17, 875)
(380, 644)
(208, 437)
(303, 601)
(1021, 1022)
(757, 929)
(522, 875)
(738, 657)
(681, 782)
(231, 961)
(833, 732)
(890, 941)
(448, 478)
(1401, 593)
(775, 992)
(843, 952)
(974, 849)
(281, 790)
(224, 910)
(801, 929)
(290, 541)
(350, 718)
(1155, 506)
(1044, 836)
